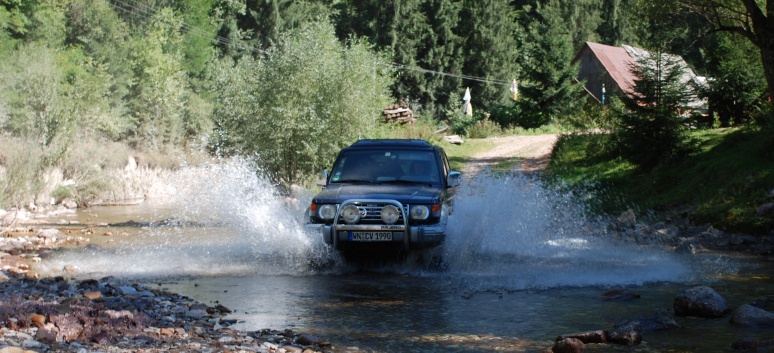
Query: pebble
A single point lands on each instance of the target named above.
(60, 314)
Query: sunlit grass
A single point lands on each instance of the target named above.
(722, 183)
(459, 155)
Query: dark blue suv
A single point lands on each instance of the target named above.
(385, 196)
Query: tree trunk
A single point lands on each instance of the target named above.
(763, 24)
(767, 57)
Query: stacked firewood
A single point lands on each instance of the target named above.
(399, 113)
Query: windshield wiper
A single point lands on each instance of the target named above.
(354, 181)
(403, 181)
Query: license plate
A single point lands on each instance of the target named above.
(370, 236)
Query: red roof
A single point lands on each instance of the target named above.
(617, 62)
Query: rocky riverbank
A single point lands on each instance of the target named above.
(60, 314)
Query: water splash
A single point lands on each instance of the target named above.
(513, 232)
(506, 231)
(235, 223)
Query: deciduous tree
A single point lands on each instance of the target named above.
(297, 106)
(752, 19)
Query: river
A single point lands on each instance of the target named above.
(523, 265)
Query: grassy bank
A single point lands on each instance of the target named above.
(723, 183)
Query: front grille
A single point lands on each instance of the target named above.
(373, 212)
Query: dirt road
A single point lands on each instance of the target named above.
(531, 152)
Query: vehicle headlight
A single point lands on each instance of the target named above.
(390, 214)
(327, 212)
(419, 212)
(350, 213)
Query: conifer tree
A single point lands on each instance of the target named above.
(550, 89)
(490, 31)
(651, 130)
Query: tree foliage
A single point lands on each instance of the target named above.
(749, 18)
(296, 107)
(738, 87)
(651, 130)
(550, 89)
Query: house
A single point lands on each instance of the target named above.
(606, 70)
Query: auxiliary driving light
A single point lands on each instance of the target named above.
(351, 214)
(390, 214)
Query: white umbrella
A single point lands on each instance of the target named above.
(515, 90)
(467, 108)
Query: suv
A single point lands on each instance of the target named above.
(385, 197)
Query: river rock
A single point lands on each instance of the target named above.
(620, 294)
(627, 219)
(599, 336)
(659, 321)
(628, 335)
(751, 316)
(308, 340)
(568, 345)
(765, 208)
(700, 301)
(689, 246)
(12, 350)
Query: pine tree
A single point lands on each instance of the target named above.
(650, 130)
(490, 31)
(617, 25)
(550, 89)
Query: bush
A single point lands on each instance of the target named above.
(514, 115)
(20, 163)
(483, 128)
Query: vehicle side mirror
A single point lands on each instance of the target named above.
(322, 178)
(453, 179)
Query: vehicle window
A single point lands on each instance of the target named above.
(446, 167)
(386, 166)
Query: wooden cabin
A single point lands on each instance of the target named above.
(604, 66)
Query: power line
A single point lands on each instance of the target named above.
(147, 13)
(464, 77)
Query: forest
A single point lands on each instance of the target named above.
(83, 83)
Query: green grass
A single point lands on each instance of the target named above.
(722, 184)
(459, 155)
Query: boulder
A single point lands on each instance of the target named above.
(568, 345)
(659, 321)
(599, 336)
(628, 335)
(751, 316)
(700, 301)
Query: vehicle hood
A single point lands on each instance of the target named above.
(403, 193)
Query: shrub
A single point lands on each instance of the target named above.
(21, 162)
(308, 97)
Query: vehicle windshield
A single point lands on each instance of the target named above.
(377, 166)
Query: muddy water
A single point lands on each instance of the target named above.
(524, 265)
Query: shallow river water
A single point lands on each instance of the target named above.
(524, 264)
